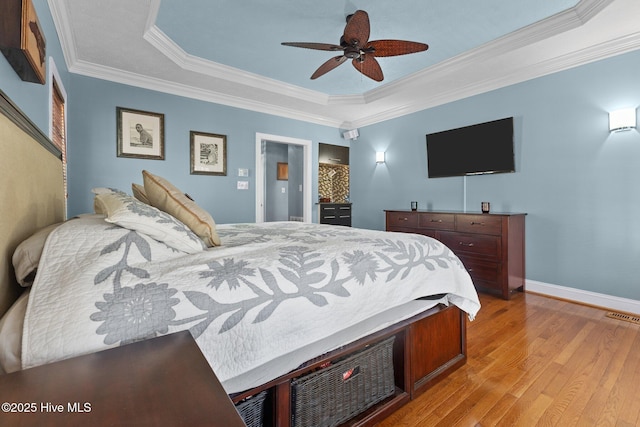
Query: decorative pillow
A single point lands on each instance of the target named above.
(27, 255)
(130, 213)
(166, 197)
(139, 193)
(97, 206)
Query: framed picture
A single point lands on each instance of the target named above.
(283, 171)
(140, 134)
(208, 154)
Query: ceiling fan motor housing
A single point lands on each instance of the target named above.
(352, 52)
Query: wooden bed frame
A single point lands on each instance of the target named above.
(426, 348)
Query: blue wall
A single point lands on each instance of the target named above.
(92, 146)
(578, 183)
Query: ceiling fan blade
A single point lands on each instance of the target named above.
(328, 66)
(315, 46)
(368, 66)
(357, 29)
(396, 47)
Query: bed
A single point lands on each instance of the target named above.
(266, 303)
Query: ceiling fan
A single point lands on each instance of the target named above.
(355, 45)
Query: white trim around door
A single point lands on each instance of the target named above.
(260, 191)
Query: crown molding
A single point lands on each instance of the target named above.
(158, 39)
(587, 9)
(387, 102)
(541, 30)
(517, 75)
(101, 72)
(60, 16)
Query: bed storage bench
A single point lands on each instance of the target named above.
(337, 393)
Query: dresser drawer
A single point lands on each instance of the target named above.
(439, 221)
(335, 214)
(483, 224)
(341, 220)
(335, 209)
(402, 219)
(484, 274)
(473, 244)
(328, 209)
(422, 231)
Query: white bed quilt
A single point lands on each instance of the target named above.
(271, 288)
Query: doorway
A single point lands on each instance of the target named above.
(273, 194)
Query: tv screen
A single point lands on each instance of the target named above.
(472, 150)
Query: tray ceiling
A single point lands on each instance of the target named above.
(230, 52)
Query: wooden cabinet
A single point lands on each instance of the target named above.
(335, 213)
(333, 154)
(491, 246)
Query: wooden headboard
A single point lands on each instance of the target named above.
(32, 189)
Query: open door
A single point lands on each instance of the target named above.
(264, 185)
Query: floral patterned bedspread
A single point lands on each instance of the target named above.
(268, 290)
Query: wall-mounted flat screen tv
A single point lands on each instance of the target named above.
(472, 150)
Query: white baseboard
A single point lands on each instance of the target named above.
(609, 302)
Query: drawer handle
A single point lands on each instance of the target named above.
(345, 216)
(345, 209)
(329, 217)
(477, 223)
(327, 209)
(436, 220)
(403, 219)
(470, 245)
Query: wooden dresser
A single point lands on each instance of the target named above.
(491, 246)
(335, 213)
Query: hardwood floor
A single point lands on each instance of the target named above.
(536, 361)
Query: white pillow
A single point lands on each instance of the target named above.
(11, 335)
(130, 213)
(27, 255)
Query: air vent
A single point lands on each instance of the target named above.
(625, 317)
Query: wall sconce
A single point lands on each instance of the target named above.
(379, 156)
(624, 119)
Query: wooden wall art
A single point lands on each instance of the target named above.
(22, 41)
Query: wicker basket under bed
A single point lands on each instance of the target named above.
(252, 410)
(335, 394)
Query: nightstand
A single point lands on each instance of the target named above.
(161, 381)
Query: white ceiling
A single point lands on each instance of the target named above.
(229, 52)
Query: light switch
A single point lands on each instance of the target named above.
(284, 190)
(243, 172)
(243, 185)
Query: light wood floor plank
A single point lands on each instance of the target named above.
(536, 361)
